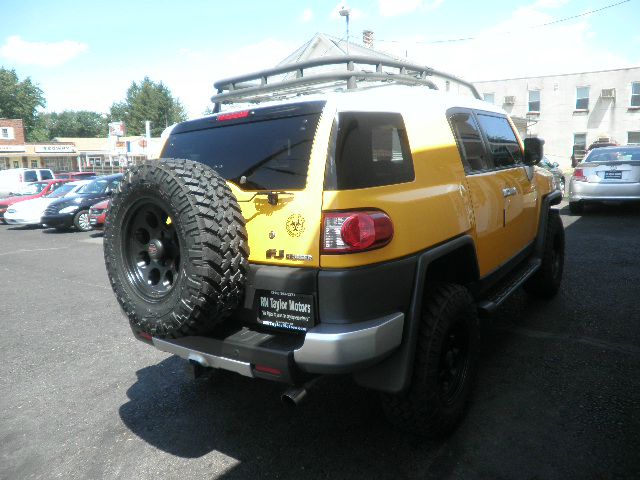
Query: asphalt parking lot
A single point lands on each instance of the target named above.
(558, 393)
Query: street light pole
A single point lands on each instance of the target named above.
(344, 12)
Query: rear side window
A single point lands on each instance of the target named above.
(505, 149)
(46, 175)
(371, 150)
(469, 141)
(270, 154)
(30, 176)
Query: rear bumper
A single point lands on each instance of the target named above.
(579, 191)
(324, 349)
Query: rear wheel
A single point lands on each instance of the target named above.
(545, 283)
(444, 367)
(175, 248)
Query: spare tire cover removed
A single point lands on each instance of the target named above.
(175, 248)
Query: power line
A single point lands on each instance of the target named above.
(464, 39)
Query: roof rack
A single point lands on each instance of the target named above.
(245, 88)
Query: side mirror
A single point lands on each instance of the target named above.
(533, 150)
(555, 164)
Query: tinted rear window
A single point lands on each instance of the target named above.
(30, 176)
(371, 150)
(270, 154)
(46, 175)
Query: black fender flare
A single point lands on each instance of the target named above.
(393, 375)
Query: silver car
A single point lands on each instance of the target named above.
(606, 174)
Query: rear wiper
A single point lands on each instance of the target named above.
(272, 196)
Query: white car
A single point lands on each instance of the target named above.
(30, 212)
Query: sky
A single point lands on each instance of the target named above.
(85, 54)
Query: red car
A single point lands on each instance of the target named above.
(98, 212)
(29, 191)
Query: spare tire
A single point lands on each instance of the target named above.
(175, 248)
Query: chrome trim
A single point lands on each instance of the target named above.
(204, 359)
(343, 348)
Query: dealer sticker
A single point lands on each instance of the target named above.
(290, 311)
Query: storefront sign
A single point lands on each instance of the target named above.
(116, 129)
(55, 148)
(12, 148)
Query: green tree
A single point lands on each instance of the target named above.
(148, 100)
(70, 123)
(20, 99)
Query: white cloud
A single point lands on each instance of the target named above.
(46, 54)
(190, 78)
(509, 49)
(194, 72)
(307, 15)
(392, 8)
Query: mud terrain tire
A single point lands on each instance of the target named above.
(175, 248)
(444, 367)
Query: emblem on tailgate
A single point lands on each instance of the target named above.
(295, 225)
(275, 254)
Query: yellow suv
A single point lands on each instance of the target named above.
(337, 221)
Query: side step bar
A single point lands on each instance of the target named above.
(506, 287)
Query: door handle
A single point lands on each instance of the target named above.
(509, 191)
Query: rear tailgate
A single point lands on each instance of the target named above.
(273, 159)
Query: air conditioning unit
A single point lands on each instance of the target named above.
(509, 100)
(608, 93)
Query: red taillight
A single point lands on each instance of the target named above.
(578, 175)
(270, 370)
(232, 116)
(20, 176)
(347, 232)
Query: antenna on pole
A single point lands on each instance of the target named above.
(345, 12)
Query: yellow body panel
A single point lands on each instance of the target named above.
(504, 225)
(435, 207)
(440, 204)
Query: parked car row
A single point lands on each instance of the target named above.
(67, 205)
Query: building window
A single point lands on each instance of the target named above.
(16, 164)
(582, 98)
(490, 98)
(34, 164)
(633, 138)
(579, 147)
(6, 133)
(534, 100)
(635, 94)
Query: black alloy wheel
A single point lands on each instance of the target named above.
(151, 249)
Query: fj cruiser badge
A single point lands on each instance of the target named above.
(275, 254)
(295, 225)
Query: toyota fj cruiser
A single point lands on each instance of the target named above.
(351, 221)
